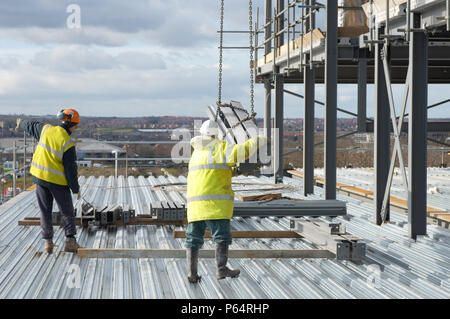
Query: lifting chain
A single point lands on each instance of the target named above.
(252, 65)
(219, 96)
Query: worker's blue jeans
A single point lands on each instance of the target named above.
(220, 232)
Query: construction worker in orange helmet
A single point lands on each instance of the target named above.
(54, 171)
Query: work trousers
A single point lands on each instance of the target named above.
(220, 232)
(63, 199)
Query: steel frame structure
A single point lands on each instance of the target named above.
(411, 48)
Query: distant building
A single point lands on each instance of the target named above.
(90, 148)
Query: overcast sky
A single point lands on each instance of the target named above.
(136, 58)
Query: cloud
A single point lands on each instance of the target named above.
(77, 74)
(170, 23)
(75, 58)
(140, 61)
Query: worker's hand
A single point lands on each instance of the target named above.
(18, 123)
(78, 196)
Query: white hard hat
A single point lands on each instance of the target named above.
(209, 128)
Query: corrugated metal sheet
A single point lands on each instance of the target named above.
(364, 178)
(408, 269)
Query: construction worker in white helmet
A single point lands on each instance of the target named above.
(210, 198)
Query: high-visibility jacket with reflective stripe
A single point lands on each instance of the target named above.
(209, 193)
(47, 162)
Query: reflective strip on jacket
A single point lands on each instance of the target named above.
(47, 163)
(209, 193)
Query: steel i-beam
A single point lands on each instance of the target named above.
(330, 99)
(278, 132)
(417, 135)
(308, 131)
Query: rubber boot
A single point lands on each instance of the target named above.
(48, 246)
(192, 263)
(71, 245)
(221, 262)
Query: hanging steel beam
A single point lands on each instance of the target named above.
(417, 152)
(331, 99)
(381, 135)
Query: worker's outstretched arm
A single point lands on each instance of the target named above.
(71, 170)
(33, 128)
(240, 152)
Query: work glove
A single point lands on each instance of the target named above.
(18, 123)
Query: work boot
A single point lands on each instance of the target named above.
(48, 246)
(221, 263)
(71, 245)
(192, 263)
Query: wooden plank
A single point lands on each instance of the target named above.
(295, 44)
(352, 32)
(252, 198)
(204, 253)
(248, 234)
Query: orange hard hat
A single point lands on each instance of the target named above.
(69, 115)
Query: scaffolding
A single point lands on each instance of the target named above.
(404, 42)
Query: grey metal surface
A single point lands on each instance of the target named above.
(438, 183)
(394, 267)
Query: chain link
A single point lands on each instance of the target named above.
(219, 95)
(252, 62)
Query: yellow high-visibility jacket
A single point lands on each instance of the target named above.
(209, 193)
(47, 162)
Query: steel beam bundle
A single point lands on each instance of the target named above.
(332, 237)
(168, 210)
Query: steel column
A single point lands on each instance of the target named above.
(308, 131)
(268, 114)
(267, 85)
(417, 135)
(362, 94)
(24, 160)
(330, 99)
(14, 169)
(381, 134)
(278, 132)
